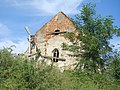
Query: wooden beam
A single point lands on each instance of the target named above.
(53, 33)
(48, 57)
(75, 55)
(32, 54)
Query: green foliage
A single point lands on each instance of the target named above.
(64, 46)
(95, 32)
(38, 54)
(114, 65)
(101, 66)
(17, 73)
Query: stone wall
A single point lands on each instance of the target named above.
(47, 42)
(55, 43)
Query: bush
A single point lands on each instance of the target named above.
(17, 73)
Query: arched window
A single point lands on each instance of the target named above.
(55, 55)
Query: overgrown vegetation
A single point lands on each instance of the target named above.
(17, 73)
(98, 68)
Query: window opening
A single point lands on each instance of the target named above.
(57, 32)
(55, 55)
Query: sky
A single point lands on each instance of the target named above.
(16, 14)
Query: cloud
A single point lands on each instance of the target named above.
(4, 30)
(7, 39)
(20, 45)
(116, 42)
(8, 36)
(46, 7)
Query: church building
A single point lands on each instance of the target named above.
(49, 39)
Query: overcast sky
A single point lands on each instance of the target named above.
(16, 14)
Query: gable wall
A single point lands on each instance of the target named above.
(59, 22)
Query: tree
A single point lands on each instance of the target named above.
(95, 32)
(114, 65)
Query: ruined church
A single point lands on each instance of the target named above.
(48, 41)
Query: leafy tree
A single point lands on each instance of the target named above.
(114, 65)
(95, 32)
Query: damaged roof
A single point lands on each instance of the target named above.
(59, 22)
